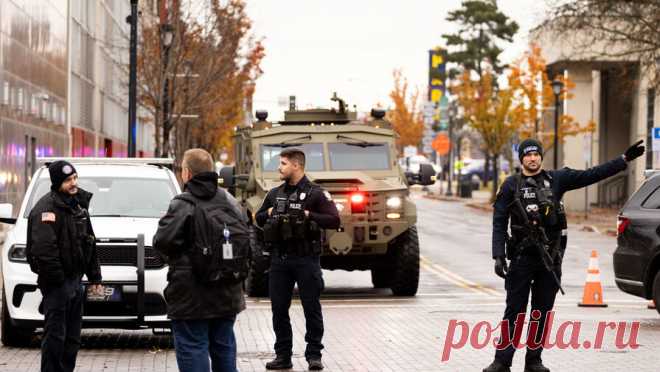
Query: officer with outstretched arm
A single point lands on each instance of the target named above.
(532, 200)
(293, 216)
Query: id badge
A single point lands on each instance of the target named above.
(227, 251)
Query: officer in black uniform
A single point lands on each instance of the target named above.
(538, 227)
(293, 217)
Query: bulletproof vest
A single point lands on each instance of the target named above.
(541, 205)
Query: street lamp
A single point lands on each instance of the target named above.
(557, 86)
(166, 39)
(132, 80)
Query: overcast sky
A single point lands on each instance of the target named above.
(316, 47)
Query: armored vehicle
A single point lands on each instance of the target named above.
(356, 162)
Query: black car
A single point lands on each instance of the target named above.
(637, 255)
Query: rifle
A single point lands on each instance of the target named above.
(536, 237)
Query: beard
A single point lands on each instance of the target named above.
(531, 168)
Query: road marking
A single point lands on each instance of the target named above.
(457, 279)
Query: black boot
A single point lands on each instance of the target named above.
(496, 366)
(315, 364)
(280, 362)
(536, 367)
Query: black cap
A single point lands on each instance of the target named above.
(529, 145)
(59, 172)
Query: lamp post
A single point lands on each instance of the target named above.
(132, 80)
(166, 39)
(557, 87)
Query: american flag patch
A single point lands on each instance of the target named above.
(48, 217)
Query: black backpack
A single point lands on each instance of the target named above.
(207, 234)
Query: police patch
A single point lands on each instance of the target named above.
(327, 195)
(67, 169)
(302, 196)
(48, 217)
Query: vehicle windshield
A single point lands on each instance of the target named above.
(354, 156)
(118, 197)
(270, 156)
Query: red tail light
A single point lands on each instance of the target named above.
(358, 203)
(621, 224)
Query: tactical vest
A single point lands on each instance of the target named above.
(541, 205)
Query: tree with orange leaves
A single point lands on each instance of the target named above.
(529, 77)
(405, 117)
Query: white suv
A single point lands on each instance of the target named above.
(130, 196)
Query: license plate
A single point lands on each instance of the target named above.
(110, 294)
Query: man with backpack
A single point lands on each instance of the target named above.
(205, 238)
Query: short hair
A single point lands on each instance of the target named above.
(294, 154)
(197, 161)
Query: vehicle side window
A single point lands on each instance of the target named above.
(653, 200)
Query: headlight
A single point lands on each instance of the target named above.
(393, 202)
(17, 253)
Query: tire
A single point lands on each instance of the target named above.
(257, 280)
(381, 278)
(656, 291)
(13, 336)
(405, 252)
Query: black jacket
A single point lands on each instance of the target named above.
(322, 209)
(563, 180)
(57, 246)
(186, 298)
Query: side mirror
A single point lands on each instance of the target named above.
(426, 175)
(226, 179)
(6, 211)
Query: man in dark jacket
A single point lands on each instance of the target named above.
(532, 200)
(203, 315)
(295, 259)
(61, 247)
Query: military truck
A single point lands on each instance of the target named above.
(356, 162)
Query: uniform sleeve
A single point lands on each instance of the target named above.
(501, 217)
(324, 211)
(171, 234)
(262, 214)
(93, 269)
(43, 246)
(571, 179)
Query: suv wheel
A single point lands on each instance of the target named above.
(656, 291)
(257, 280)
(381, 278)
(406, 263)
(11, 335)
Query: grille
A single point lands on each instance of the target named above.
(126, 255)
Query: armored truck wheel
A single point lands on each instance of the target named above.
(257, 280)
(381, 278)
(11, 335)
(405, 253)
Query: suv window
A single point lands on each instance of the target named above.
(653, 200)
(118, 197)
(270, 156)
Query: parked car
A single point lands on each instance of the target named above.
(411, 164)
(130, 196)
(475, 173)
(637, 255)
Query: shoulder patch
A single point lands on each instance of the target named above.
(48, 217)
(327, 195)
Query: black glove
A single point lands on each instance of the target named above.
(634, 151)
(500, 266)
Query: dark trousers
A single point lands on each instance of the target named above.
(525, 274)
(196, 340)
(63, 319)
(285, 271)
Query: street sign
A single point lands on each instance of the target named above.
(427, 140)
(656, 139)
(441, 144)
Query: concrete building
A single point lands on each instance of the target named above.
(617, 95)
(62, 85)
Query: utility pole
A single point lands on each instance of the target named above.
(132, 80)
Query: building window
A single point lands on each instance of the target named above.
(5, 93)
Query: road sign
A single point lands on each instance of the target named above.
(656, 139)
(441, 144)
(427, 140)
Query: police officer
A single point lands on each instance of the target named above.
(533, 201)
(61, 247)
(293, 216)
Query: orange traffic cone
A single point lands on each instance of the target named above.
(593, 291)
(651, 305)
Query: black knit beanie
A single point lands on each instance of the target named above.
(529, 145)
(59, 171)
